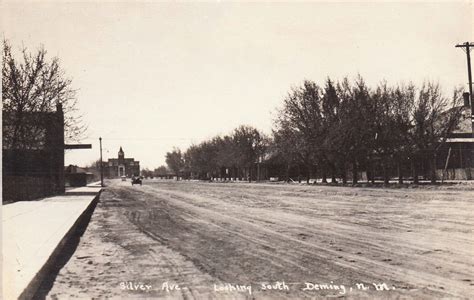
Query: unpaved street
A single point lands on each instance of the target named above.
(320, 241)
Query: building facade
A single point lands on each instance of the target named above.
(33, 161)
(121, 166)
(456, 158)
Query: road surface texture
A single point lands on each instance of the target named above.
(195, 240)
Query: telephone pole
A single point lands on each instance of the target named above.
(467, 48)
(101, 165)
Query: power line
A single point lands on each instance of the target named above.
(144, 139)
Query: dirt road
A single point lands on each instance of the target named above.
(235, 240)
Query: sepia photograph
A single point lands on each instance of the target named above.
(237, 149)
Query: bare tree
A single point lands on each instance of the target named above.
(160, 171)
(147, 172)
(286, 143)
(227, 157)
(301, 117)
(175, 161)
(201, 160)
(249, 145)
(434, 117)
(33, 84)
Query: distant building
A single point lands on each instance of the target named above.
(76, 176)
(121, 166)
(457, 155)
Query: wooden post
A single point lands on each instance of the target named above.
(446, 164)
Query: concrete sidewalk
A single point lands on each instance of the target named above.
(34, 233)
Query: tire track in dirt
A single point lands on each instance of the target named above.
(114, 250)
(268, 256)
(362, 263)
(385, 238)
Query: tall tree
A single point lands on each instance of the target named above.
(434, 117)
(226, 157)
(301, 117)
(331, 120)
(33, 84)
(286, 143)
(342, 134)
(249, 144)
(383, 144)
(175, 161)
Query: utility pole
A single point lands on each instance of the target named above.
(467, 48)
(101, 165)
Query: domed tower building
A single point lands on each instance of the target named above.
(121, 166)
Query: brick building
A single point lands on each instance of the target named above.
(33, 154)
(121, 166)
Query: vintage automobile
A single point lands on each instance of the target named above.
(136, 180)
(124, 178)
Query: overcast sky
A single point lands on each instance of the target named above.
(156, 75)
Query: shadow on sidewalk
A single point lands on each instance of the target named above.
(62, 253)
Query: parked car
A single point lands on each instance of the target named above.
(136, 180)
(124, 178)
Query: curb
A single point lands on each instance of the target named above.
(55, 261)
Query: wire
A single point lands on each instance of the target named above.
(139, 139)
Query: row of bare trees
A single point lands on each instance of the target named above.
(228, 156)
(162, 171)
(343, 127)
(336, 130)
